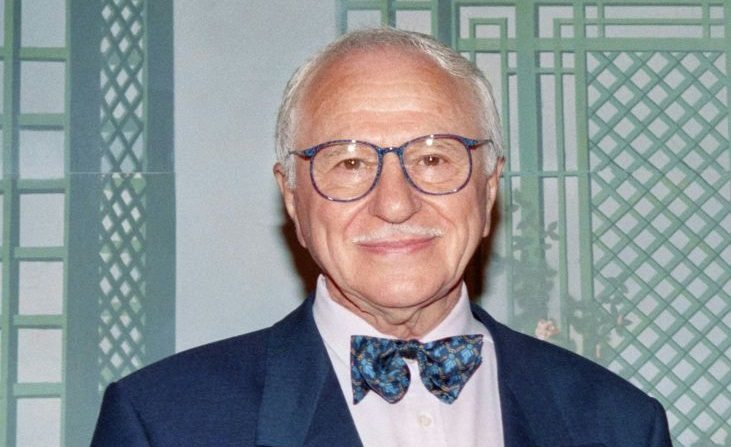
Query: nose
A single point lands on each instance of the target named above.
(393, 199)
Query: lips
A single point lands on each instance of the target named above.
(398, 239)
(401, 245)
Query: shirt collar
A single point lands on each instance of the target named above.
(336, 323)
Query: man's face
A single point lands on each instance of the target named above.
(395, 248)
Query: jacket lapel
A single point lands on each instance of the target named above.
(302, 402)
(531, 414)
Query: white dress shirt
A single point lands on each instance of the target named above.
(420, 419)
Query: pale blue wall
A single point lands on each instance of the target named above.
(232, 60)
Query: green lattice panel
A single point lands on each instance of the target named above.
(123, 201)
(661, 201)
(122, 285)
(122, 79)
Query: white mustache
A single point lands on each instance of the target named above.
(396, 231)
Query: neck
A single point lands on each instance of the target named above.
(412, 322)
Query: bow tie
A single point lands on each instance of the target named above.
(445, 365)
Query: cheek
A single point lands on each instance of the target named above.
(313, 219)
(469, 220)
(324, 225)
(480, 204)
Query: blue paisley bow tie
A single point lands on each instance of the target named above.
(445, 365)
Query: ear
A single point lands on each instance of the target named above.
(492, 184)
(288, 197)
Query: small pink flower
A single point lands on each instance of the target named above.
(546, 329)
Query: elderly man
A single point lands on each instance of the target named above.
(388, 162)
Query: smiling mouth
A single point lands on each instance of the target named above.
(397, 239)
(397, 246)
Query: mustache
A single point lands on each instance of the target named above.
(394, 231)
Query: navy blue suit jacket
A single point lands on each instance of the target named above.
(276, 387)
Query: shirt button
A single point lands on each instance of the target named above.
(424, 420)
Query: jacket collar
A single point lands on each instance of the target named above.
(301, 391)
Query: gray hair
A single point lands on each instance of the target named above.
(367, 39)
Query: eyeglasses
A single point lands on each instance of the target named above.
(347, 170)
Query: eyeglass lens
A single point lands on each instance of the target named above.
(348, 170)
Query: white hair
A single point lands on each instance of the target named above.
(377, 38)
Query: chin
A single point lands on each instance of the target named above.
(405, 293)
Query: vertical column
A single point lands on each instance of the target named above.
(442, 22)
(589, 339)
(160, 174)
(9, 334)
(530, 240)
(341, 17)
(82, 398)
(388, 13)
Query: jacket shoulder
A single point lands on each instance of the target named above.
(564, 369)
(190, 398)
(240, 355)
(526, 357)
(209, 395)
(570, 398)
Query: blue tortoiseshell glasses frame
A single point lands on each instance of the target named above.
(310, 154)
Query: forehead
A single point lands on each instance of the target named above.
(376, 93)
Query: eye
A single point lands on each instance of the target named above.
(432, 160)
(352, 164)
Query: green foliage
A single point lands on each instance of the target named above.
(533, 278)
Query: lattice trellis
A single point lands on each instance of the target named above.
(122, 78)
(617, 190)
(123, 204)
(123, 277)
(660, 210)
